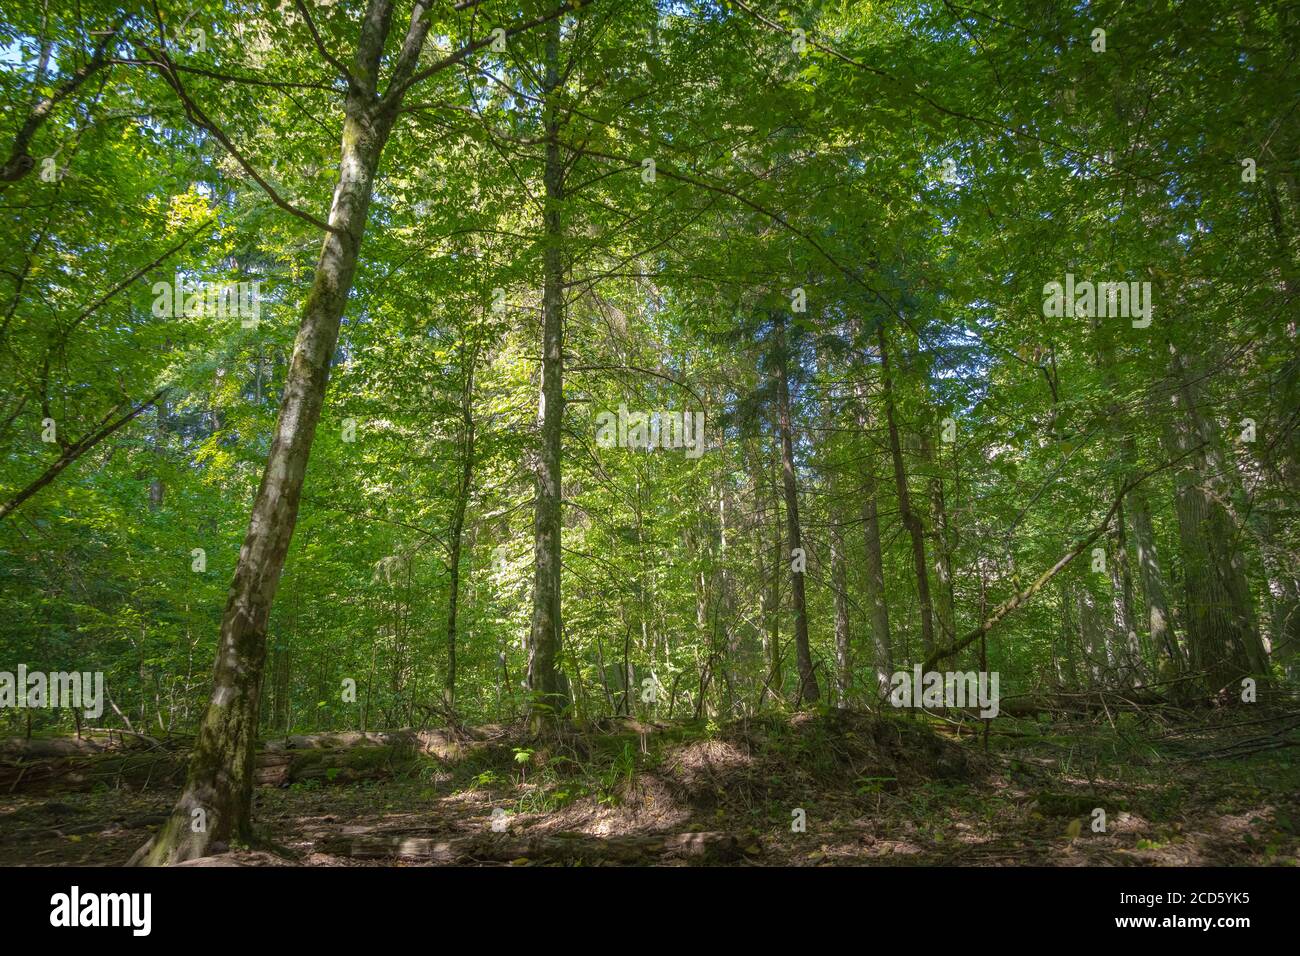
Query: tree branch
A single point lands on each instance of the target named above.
(75, 450)
(320, 45)
(396, 90)
(167, 70)
(1021, 597)
(20, 163)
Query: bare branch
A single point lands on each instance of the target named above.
(409, 58)
(230, 77)
(98, 303)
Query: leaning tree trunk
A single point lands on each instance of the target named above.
(547, 690)
(214, 805)
(808, 691)
(911, 521)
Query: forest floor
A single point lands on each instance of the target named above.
(873, 789)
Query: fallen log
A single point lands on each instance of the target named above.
(442, 744)
(12, 748)
(244, 859)
(88, 771)
(140, 770)
(564, 847)
(1081, 704)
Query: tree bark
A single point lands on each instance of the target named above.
(547, 690)
(1159, 623)
(769, 576)
(1222, 636)
(808, 690)
(911, 521)
(1127, 650)
(878, 607)
(941, 561)
(456, 533)
(215, 803)
(1091, 637)
(1283, 580)
(843, 651)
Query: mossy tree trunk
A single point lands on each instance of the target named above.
(215, 803)
(547, 689)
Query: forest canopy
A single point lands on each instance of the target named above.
(433, 364)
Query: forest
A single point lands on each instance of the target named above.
(649, 432)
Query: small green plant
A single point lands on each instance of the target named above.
(870, 786)
(523, 756)
(485, 779)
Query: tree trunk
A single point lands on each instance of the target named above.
(843, 658)
(456, 533)
(1091, 636)
(214, 805)
(1159, 623)
(546, 687)
(1222, 637)
(1164, 645)
(808, 690)
(940, 562)
(909, 518)
(1283, 591)
(1127, 650)
(769, 578)
(878, 607)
